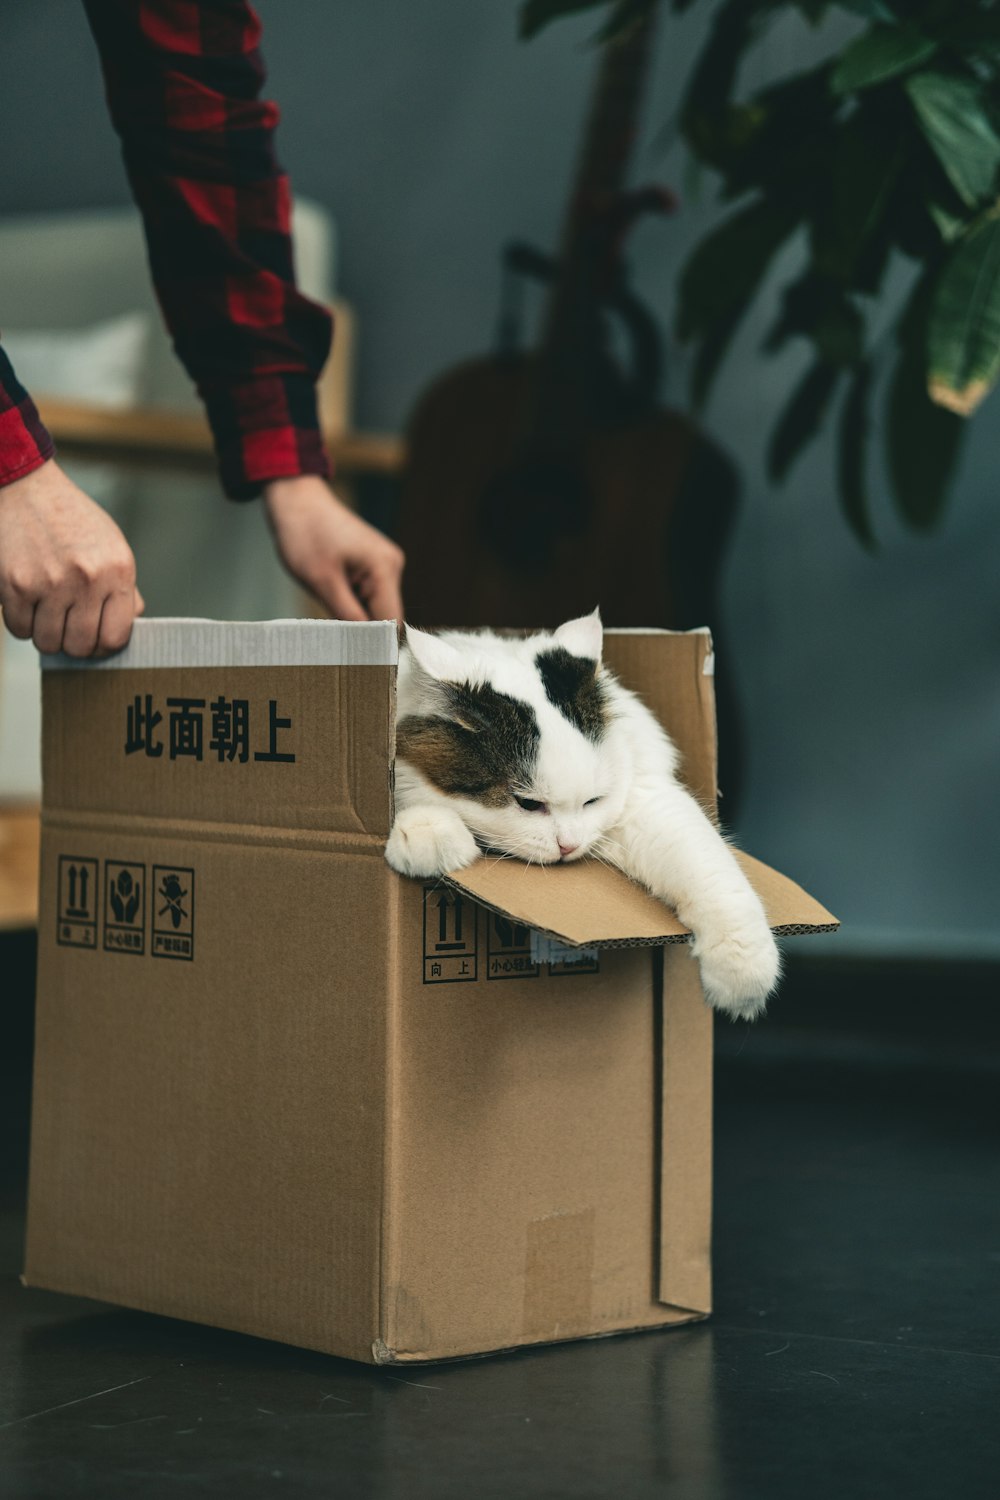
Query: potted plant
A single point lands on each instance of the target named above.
(887, 151)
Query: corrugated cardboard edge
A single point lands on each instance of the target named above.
(684, 1250)
(382, 1354)
(388, 1268)
(790, 909)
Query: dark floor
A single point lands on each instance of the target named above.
(855, 1350)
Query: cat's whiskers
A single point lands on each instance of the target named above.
(605, 844)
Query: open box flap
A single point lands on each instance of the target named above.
(587, 904)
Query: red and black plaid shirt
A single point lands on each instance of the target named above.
(183, 82)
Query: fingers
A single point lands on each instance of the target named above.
(340, 599)
(49, 623)
(18, 615)
(116, 621)
(88, 627)
(81, 625)
(383, 597)
(67, 574)
(350, 566)
(379, 577)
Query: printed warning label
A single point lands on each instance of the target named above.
(124, 907)
(451, 937)
(508, 949)
(563, 959)
(173, 912)
(76, 906)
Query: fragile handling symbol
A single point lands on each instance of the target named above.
(511, 934)
(124, 907)
(125, 894)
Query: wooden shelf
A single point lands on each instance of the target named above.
(19, 832)
(150, 435)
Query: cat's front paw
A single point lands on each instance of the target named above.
(739, 970)
(429, 841)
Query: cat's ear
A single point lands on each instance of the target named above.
(434, 656)
(582, 637)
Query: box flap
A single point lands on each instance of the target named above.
(589, 905)
(672, 671)
(284, 724)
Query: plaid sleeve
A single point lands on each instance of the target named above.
(25, 443)
(183, 80)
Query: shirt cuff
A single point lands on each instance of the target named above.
(266, 429)
(25, 441)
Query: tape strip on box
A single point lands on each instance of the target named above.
(241, 643)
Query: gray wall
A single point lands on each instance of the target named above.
(869, 684)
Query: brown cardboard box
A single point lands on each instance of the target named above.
(281, 1090)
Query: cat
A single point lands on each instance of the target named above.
(530, 747)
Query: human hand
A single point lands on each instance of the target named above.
(351, 568)
(67, 574)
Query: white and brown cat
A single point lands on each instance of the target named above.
(530, 747)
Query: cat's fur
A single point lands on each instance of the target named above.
(485, 720)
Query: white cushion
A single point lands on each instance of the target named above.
(102, 365)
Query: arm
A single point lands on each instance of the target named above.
(25, 443)
(183, 84)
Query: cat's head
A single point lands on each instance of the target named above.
(514, 732)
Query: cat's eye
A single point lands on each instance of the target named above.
(592, 801)
(529, 804)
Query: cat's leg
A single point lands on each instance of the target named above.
(428, 839)
(667, 843)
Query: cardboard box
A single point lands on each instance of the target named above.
(280, 1089)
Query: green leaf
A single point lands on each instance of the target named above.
(713, 77)
(881, 53)
(852, 220)
(975, 35)
(802, 418)
(788, 135)
(954, 117)
(813, 10)
(718, 283)
(922, 440)
(816, 308)
(626, 15)
(963, 331)
(872, 10)
(852, 456)
(537, 14)
(723, 272)
(711, 352)
(949, 223)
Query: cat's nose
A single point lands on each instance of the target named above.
(567, 849)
